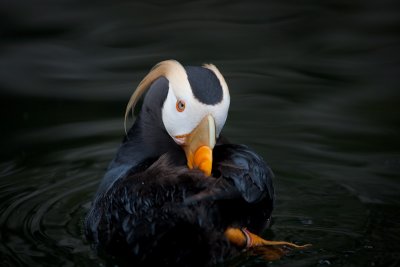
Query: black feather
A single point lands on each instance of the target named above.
(205, 85)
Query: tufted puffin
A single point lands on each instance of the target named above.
(177, 193)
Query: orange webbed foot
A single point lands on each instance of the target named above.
(270, 250)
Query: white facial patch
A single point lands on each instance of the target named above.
(181, 123)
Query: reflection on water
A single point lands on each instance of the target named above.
(314, 89)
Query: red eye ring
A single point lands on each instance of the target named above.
(180, 105)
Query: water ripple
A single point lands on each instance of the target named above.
(41, 221)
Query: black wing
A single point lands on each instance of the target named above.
(251, 190)
(247, 170)
(243, 189)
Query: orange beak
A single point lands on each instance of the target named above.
(199, 145)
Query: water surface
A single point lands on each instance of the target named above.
(314, 89)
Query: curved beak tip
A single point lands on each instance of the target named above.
(203, 159)
(199, 145)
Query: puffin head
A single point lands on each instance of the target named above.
(195, 109)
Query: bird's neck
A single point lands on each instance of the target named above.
(146, 140)
(144, 143)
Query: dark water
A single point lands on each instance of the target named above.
(314, 87)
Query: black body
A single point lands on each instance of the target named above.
(151, 209)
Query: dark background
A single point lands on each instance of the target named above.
(314, 88)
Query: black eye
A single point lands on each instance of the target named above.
(180, 105)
